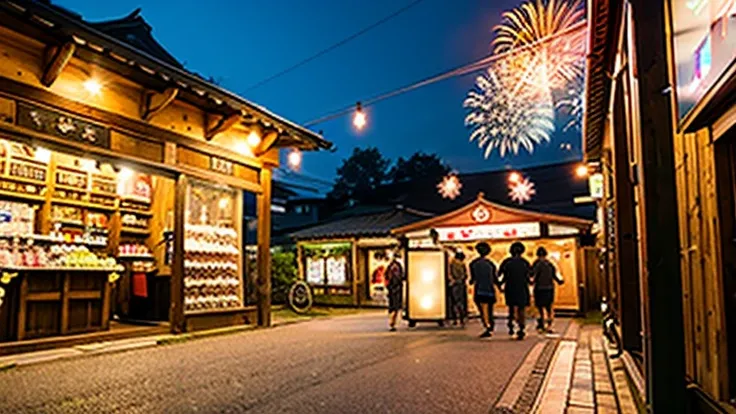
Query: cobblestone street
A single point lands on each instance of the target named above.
(346, 364)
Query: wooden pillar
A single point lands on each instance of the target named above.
(354, 271)
(626, 266)
(176, 313)
(654, 138)
(264, 249)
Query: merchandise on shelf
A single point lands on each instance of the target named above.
(71, 179)
(66, 214)
(104, 184)
(16, 218)
(96, 220)
(20, 188)
(69, 195)
(134, 249)
(14, 255)
(211, 258)
(27, 170)
(132, 220)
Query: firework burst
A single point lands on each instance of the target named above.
(572, 104)
(450, 187)
(559, 52)
(506, 117)
(522, 191)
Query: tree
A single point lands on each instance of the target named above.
(419, 166)
(360, 174)
(283, 275)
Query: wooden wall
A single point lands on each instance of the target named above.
(701, 264)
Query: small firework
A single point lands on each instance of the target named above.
(450, 187)
(503, 117)
(521, 191)
(572, 105)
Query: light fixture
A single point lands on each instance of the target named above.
(253, 139)
(359, 118)
(243, 148)
(295, 158)
(581, 171)
(87, 164)
(426, 302)
(223, 203)
(125, 174)
(93, 86)
(43, 155)
(514, 177)
(427, 276)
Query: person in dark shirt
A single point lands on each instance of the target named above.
(483, 278)
(394, 277)
(544, 277)
(458, 276)
(514, 274)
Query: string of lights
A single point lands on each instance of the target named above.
(333, 46)
(465, 69)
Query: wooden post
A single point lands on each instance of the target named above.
(176, 313)
(354, 270)
(654, 138)
(66, 285)
(626, 266)
(264, 249)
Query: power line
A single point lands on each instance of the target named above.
(457, 71)
(334, 46)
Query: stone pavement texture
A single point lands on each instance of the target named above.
(583, 379)
(347, 364)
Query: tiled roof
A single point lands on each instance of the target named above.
(376, 224)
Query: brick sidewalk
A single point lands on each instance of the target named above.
(582, 379)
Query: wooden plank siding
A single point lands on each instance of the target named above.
(702, 277)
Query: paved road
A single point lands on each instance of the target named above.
(343, 365)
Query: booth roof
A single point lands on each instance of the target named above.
(377, 223)
(556, 186)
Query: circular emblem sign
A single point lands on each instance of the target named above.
(481, 214)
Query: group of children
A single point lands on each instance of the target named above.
(513, 279)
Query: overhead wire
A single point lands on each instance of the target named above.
(465, 69)
(334, 46)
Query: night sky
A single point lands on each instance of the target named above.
(239, 43)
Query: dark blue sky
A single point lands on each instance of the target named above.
(242, 42)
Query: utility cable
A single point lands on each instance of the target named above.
(334, 46)
(457, 71)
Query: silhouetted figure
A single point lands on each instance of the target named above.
(394, 276)
(458, 288)
(544, 277)
(483, 277)
(514, 274)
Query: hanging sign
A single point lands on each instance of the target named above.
(489, 232)
(221, 166)
(62, 125)
(595, 185)
(559, 230)
(481, 214)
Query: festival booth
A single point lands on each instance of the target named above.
(343, 260)
(431, 243)
(133, 193)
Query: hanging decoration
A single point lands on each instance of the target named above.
(514, 104)
(522, 191)
(450, 186)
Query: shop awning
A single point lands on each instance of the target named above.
(603, 28)
(376, 224)
(140, 58)
(482, 219)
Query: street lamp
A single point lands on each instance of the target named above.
(581, 171)
(295, 159)
(359, 118)
(514, 177)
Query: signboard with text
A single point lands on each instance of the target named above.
(489, 232)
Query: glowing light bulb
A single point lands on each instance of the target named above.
(295, 159)
(427, 276)
(426, 302)
(243, 148)
(93, 86)
(253, 139)
(43, 155)
(125, 174)
(581, 171)
(223, 203)
(514, 177)
(359, 119)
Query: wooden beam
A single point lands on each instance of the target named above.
(60, 57)
(267, 143)
(153, 103)
(263, 201)
(222, 125)
(176, 310)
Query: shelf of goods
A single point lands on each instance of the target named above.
(211, 274)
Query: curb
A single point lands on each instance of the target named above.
(7, 366)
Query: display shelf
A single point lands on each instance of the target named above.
(218, 310)
(29, 160)
(136, 257)
(135, 199)
(51, 239)
(103, 194)
(69, 188)
(97, 230)
(61, 269)
(83, 204)
(22, 196)
(69, 223)
(24, 180)
(137, 212)
(131, 230)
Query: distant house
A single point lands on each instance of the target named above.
(293, 207)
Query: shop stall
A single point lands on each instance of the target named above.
(131, 190)
(431, 243)
(344, 259)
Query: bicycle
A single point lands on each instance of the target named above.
(610, 323)
(300, 297)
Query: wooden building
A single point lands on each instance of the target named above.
(130, 188)
(343, 259)
(659, 123)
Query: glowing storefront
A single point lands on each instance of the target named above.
(430, 244)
